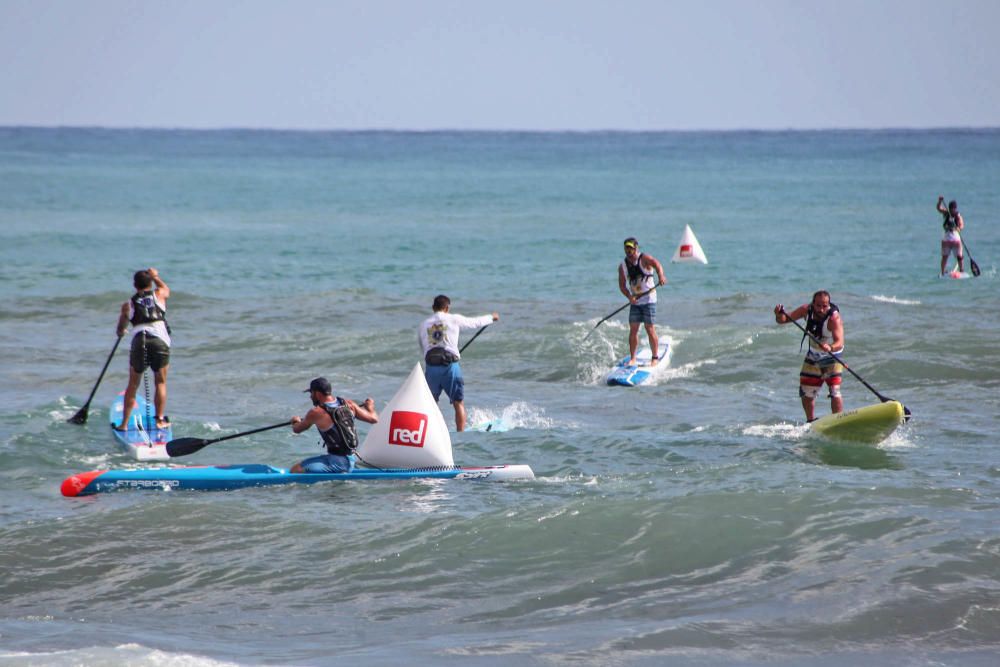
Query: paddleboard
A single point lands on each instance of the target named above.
(492, 426)
(870, 424)
(142, 441)
(957, 275)
(231, 477)
(629, 376)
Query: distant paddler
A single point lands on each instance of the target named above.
(825, 333)
(146, 311)
(639, 275)
(953, 225)
(438, 340)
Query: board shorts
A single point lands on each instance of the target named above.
(328, 463)
(817, 371)
(448, 379)
(157, 353)
(949, 246)
(645, 313)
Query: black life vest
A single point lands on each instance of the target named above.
(341, 438)
(814, 326)
(145, 310)
(635, 272)
(950, 223)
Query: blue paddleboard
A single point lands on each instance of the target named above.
(630, 376)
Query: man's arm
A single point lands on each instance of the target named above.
(653, 263)
(162, 291)
(622, 286)
(365, 412)
(300, 424)
(837, 331)
(783, 317)
(941, 207)
(123, 320)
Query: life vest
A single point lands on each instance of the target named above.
(342, 437)
(950, 223)
(145, 309)
(639, 279)
(818, 328)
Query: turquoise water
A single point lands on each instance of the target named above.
(687, 521)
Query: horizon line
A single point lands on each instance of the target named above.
(484, 130)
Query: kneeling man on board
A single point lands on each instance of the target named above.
(438, 338)
(639, 275)
(826, 336)
(334, 419)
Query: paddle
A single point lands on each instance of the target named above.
(472, 339)
(872, 389)
(185, 446)
(972, 262)
(610, 315)
(81, 415)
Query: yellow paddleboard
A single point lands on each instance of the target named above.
(871, 424)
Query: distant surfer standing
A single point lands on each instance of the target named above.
(146, 312)
(334, 418)
(637, 276)
(825, 325)
(952, 241)
(438, 339)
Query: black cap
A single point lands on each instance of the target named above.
(321, 385)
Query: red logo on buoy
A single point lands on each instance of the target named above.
(407, 428)
(686, 251)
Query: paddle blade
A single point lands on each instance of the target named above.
(185, 446)
(80, 417)
(975, 268)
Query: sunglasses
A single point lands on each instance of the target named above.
(630, 246)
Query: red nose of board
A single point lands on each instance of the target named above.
(74, 484)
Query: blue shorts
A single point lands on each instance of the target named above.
(642, 313)
(328, 463)
(447, 378)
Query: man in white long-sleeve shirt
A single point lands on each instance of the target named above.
(438, 337)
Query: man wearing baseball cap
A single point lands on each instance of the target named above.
(334, 418)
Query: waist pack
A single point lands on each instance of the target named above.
(438, 356)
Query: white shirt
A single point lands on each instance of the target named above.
(441, 330)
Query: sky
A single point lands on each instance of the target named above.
(501, 64)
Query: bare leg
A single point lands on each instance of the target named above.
(633, 341)
(654, 343)
(134, 378)
(944, 261)
(160, 397)
(459, 415)
(809, 405)
(961, 264)
(836, 404)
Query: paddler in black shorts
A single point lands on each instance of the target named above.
(146, 312)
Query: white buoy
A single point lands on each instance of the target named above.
(689, 250)
(411, 431)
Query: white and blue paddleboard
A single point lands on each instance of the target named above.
(497, 425)
(630, 376)
(142, 440)
(231, 477)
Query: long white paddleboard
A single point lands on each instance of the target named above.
(630, 376)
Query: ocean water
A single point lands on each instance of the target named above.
(687, 522)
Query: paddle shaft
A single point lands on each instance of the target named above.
(467, 344)
(185, 446)
(610, 315)
(842, 362)
(81, 415)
